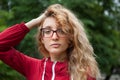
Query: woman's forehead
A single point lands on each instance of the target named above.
(50, 22)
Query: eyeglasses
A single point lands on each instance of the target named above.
(49, 32)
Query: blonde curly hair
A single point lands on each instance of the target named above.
(81, 57)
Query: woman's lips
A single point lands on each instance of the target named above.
(55, 45)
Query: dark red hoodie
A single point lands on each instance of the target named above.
(31, 68)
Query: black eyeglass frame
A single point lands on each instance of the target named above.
(60, 33)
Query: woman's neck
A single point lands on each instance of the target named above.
(60, 58)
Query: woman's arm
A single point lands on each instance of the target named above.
(34, 22)
(13, 35)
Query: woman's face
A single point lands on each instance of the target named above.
(54, 39)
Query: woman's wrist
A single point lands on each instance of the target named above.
(31, 23)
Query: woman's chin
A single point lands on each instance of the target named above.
(55, 51)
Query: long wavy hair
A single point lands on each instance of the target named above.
(80, 54)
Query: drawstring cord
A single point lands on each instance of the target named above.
(53, 69)
(43, 75)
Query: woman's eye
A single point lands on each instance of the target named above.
(61, 31)
(47, 31)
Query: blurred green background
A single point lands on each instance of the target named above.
(100, 17)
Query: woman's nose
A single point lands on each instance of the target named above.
(55, 36)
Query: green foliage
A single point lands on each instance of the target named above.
(101, 19)
(2, 28)
(6, 73)
(4, 17)
(25, 10)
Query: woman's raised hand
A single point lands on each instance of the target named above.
(35, 22)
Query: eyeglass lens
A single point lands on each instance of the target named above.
(49, 32)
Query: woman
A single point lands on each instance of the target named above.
(67, 52)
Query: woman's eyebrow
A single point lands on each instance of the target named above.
(49, 27)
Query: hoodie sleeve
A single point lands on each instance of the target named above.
(18, 61)
(8, 39)
(12, 36)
